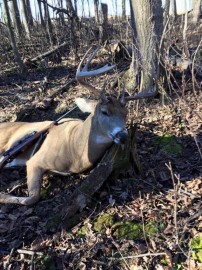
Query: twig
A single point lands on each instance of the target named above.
(29, 252)
(169, 166)
(17, 186)
(193, 63)
(192, 196)
(5, 99)
(122, 257)
(141, 255)
(9, 258)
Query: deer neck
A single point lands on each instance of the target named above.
(91, 140)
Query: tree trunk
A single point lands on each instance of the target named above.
(196, 11)
(96, 10)
(61, 14)
(16, 17)
(70, 9)
(75, 7)
(104, 23)
(12, 39)
(123, 9)
(166, 12)
(29, 13)
(173, 10)
(41, 14)
(48, 22)
(147, 25)
(26, 19)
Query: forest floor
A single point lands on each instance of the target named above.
(134, 222)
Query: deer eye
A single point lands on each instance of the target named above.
(105, 113)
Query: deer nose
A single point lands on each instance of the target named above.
(121, 136)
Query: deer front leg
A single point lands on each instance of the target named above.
(34, 176)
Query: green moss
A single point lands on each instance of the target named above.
(45, 190)
(82, 232)
(128, 230)
(196, 246)
(151, 229)
(169, 144)
(103, 222)
(134, 231)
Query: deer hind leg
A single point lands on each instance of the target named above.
(34, 176)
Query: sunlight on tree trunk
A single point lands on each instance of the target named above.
(147, 24)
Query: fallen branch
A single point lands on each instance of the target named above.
(48, 53)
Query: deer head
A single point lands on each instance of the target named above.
(110, 112)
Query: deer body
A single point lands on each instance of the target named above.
(71, 145)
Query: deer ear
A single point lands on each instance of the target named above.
(86, 105)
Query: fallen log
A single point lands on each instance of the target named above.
(48, 53)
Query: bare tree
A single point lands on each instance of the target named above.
(41, 14)
(71, 9)
(166, 11)
(29, 13)
(26, 19)
(104, 22)
(96, 10)
(12, 38)
(147, 25)
(124, 9)
(173, 9)
(48, 21)
(16, 17)
(196, 11)
(61, 14)
(75, 7)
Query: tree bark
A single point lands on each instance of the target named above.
(16, 17)
(75, 7)
(173, 10)
(147, 25)
(70, 9)
(104, 23)
(166, 12)
(41, 14)
(12, 39)
(124, 9)
(61, 14)
(196, 11)
(96, 10)
(29, 13)
(48, 21)
(26, 19)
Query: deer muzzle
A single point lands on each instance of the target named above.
(121, 136)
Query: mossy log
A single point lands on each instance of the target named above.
(115, 160)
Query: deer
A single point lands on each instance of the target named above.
(73, 145)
